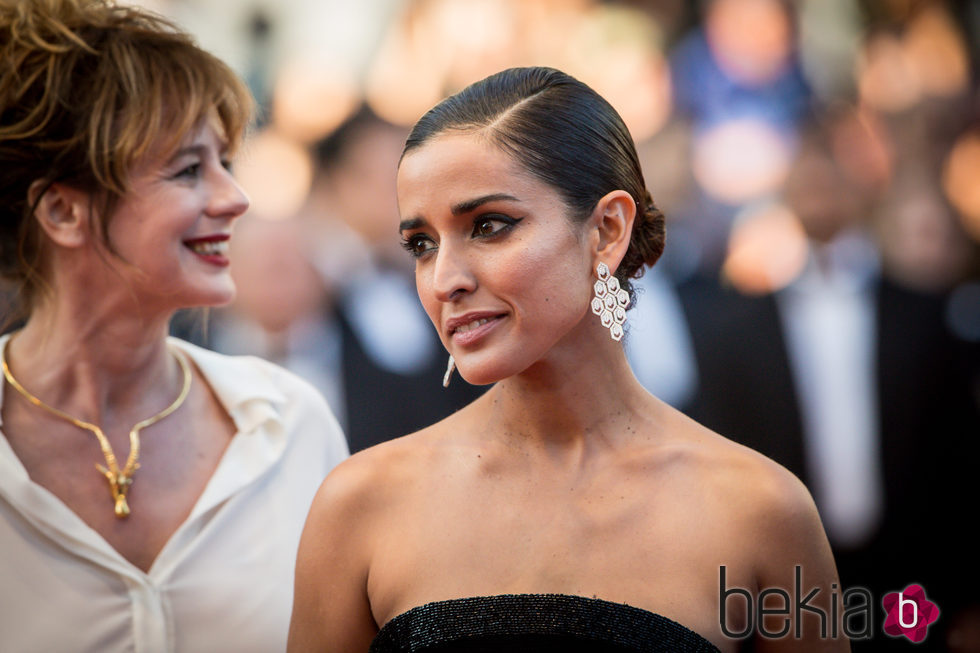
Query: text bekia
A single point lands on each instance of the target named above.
(850, 611)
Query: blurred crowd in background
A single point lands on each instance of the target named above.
(763, 126)
(819, 165)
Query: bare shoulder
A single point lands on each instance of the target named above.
(364, 482)
(768, 519)
(350, 517)
(761, 497)
(382, 478)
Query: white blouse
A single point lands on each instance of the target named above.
(224, 580)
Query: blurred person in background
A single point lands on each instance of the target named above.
(151, 492)
(923, 246)
(281, 309)
(739, 87)
(852, 381)
(741, 61)
(858, 368)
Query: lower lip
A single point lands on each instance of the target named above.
(475, 335)
(214, 259)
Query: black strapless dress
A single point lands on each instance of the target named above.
(518, 623)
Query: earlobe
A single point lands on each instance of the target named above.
(614, 216)
(62, 212)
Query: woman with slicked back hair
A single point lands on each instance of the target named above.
(152, 493)
(567, 508)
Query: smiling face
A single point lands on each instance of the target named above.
(174, 223)
(501, 270)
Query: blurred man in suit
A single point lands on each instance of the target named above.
(855, 384)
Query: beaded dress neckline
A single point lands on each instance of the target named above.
(535, 622)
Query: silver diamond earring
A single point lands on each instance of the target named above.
(449, 371)
(610, 302)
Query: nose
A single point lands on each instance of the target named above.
(452, 276)
(228, 200)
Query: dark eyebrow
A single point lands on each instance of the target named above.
(469, 205)
(412, 223)
(459, 209)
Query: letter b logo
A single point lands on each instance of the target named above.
(902, 602)
(909, 613)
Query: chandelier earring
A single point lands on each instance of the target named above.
(610, 302)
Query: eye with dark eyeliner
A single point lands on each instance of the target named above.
(417, 245)
(486, 226)
(490, 225)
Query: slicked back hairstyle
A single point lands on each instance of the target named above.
(87, 88)
(563, 133)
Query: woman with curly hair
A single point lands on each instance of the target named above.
(151, 493)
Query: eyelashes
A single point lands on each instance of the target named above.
(485, 227)
(417, 244)
(190, 171)
(193, 170)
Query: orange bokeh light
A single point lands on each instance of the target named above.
(767, 249)
(276, 174)
(961, 181)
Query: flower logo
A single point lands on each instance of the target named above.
(909, 613)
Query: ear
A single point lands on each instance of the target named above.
(63, 213)
(613, 219)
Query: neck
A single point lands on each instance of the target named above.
(579, 397)
(97, 362)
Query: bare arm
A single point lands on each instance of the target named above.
(797, 577)
(331, 612)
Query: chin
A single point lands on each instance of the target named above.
(480, 380)
(222, 299)
(486, 374)
(212, 296)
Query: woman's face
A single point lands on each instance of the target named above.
(174, 223)
(502, 272)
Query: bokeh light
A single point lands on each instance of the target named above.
(937, 53)
(961, 181)
(276, 173)
(405, 79)
(618, 53)
(887, 80)
(767, 249)
(310, 99)
(740, 160)
(927, 59)
(752, 39)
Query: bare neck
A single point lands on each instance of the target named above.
(577, 399)
(96, 360)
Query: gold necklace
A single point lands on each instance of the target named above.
(119, 479)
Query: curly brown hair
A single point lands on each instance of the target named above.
(87, 88)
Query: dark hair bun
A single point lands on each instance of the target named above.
(646, 242)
